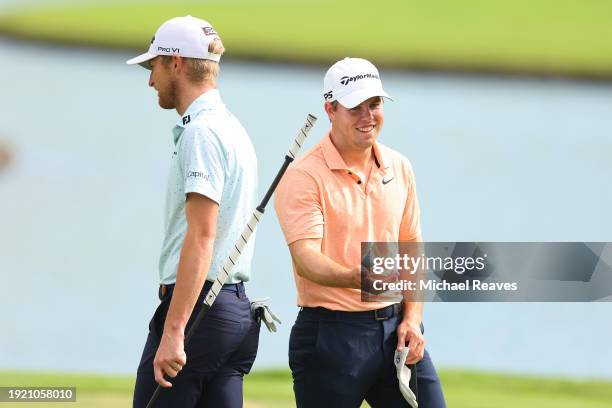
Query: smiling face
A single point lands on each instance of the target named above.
(162, 81)
(356, 129)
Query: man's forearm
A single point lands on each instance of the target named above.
(413, 299)
(413, 312)
(321, 269)
(192, 270)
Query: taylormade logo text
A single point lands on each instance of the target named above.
(345, 80)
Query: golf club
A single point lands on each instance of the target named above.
(258, 213)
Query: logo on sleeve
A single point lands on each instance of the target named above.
(186, 119)
(198, 175)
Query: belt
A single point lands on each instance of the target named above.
(165, 291)
(379, 314)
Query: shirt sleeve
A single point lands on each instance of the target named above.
(297, 203)
(202, 163)
(410, 228)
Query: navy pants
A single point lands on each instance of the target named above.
(219, 354)
(339, 359)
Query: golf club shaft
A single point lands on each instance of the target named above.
(250, 228)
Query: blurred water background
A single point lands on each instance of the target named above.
(81, 205)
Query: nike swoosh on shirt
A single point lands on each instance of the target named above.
(386, 181)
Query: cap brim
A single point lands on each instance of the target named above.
(144, 60)
(355, 98)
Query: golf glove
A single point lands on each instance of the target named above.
(403, 376)
(265, 314)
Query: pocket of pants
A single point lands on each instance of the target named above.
(302, 343)
(343, 345)
(156, 325)
(227, 307)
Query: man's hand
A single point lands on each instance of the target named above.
(367, 279)
(170, 358)
(409, 333)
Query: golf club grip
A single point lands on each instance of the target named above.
(232, 259)
(250, 228)
(299, 140)
(289, 157)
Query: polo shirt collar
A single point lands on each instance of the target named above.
(336, 162)
(330, 153)
(380, 158)
(208, 100)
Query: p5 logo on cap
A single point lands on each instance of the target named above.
(328, 95)
(209, 31)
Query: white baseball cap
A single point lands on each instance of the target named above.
(351, 81)
(183, 36)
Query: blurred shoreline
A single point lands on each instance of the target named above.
(500, 39)
(323, 63)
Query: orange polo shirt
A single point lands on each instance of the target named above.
(319, 197)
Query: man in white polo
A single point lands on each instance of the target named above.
(210, 197)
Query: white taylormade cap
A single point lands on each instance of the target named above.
(351, 81)
(183, 36)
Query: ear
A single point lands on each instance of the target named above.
(329, 109)
(177, 63)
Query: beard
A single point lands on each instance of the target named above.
(167, 96)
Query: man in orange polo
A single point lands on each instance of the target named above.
(350, 189)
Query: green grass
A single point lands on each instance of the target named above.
(92, 391)
(272, 389)
(479, 390)
(565, 37)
